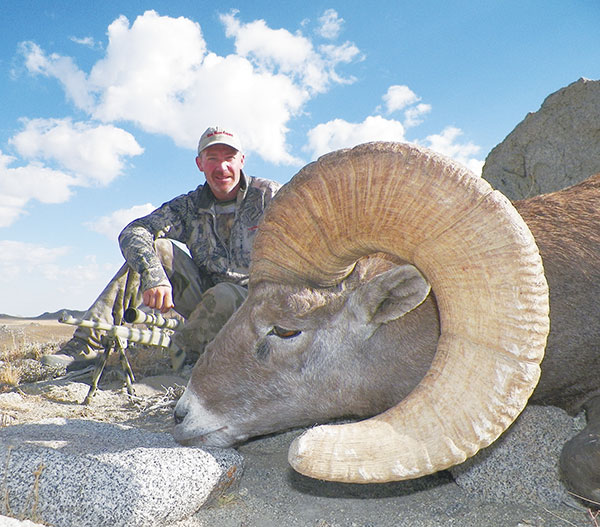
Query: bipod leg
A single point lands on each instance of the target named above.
(108, 344)
(129, 376)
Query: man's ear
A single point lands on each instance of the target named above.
(199, 163)
(391, 295)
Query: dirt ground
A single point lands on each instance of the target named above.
(270, 493)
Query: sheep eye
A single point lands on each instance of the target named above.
(284, 333)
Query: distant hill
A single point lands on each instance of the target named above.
(47, 315)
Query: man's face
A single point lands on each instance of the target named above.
(222, 165)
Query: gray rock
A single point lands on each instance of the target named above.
(522, 465)
(86, 473)
(553, 148)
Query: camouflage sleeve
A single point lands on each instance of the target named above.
(137, 242)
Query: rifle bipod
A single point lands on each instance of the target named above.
(119, 344)
(118, 337)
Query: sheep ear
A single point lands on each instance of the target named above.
(392, 294)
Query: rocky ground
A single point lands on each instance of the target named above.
(270, 494)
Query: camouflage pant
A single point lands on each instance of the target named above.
(205, 309)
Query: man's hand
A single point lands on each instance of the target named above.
(159, 297)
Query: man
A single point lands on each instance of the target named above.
(217, 222)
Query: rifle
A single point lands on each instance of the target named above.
(158, 333)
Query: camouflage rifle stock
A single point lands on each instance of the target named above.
(150, 337)
(156, 320)
(118, 337)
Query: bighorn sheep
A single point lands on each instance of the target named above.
(321, 336)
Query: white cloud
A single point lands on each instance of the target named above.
(259, 111)
(19, 185)
(159, 74)
(398, 97)
(342, 54)
(73, 80)
(88, 42)
(401, 97)
(16, 255)
(271, 49)
(279, 51)
(31, 271)
(413, 116)
(330, 24)
(338, 133)
(59, 155)
(446, 143)
(93, 154)
(112, 224)
(148, 70)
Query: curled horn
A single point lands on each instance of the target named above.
(484, 268)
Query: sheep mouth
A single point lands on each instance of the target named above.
(218, 437)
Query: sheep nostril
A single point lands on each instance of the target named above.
(179, 416)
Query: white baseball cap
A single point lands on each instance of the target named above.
(217, 135)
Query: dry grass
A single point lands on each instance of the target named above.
(26, 339)
(23, 341)
(9, 374)
(144, 360)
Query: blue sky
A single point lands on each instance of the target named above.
(103, 104)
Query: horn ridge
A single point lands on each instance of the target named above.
(356, 186)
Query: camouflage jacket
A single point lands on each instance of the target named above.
(191, 219)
